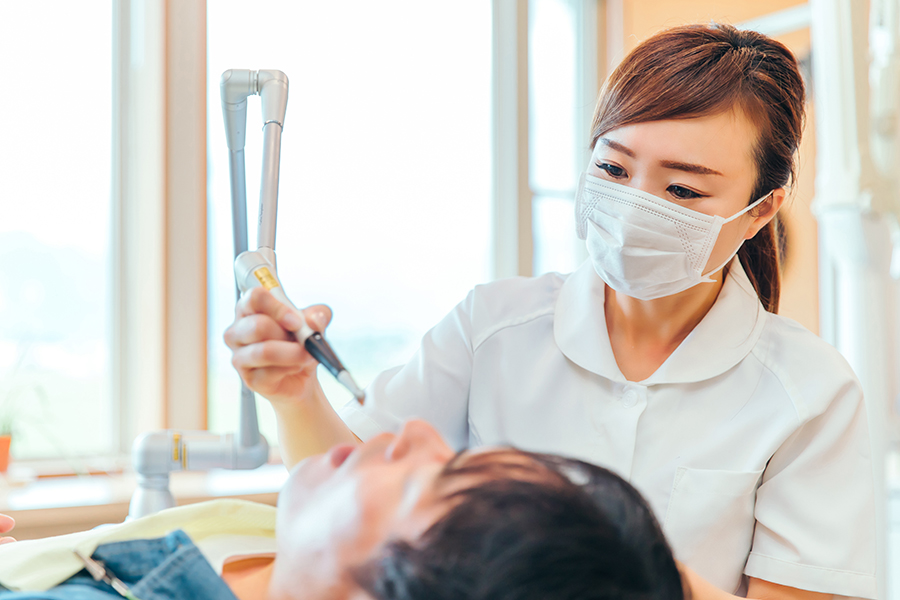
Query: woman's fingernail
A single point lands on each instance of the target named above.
(320, 319)
(291, 321)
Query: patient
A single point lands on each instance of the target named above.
(403, 517)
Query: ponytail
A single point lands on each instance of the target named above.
(761, 261)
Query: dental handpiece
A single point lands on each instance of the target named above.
(251, 269)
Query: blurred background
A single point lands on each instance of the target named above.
(428, 147)
(397, 166)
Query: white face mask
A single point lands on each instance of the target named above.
(643, 246)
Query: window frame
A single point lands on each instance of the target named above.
(159, 200)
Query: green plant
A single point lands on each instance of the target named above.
(11, 408)
(15, 396)
(25, 408)
(14, 405)
(6, 424)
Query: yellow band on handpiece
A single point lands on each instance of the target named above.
(267, 280)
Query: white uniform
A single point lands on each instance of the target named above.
(750, 442)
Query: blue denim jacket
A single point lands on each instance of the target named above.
(167, 568)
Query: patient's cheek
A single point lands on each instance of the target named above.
(326, 517)
(318, 539)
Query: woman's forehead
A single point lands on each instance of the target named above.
(723, 142)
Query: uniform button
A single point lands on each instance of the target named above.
(629, 399)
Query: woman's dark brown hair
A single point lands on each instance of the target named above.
(700, 70)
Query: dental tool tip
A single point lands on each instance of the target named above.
(345, 378)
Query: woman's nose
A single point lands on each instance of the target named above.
(416, 436)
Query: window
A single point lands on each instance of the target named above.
(385, 187)
(55, 263)
(386, 207)
(562, 89)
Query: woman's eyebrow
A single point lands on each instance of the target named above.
(617, 146)
(688, 167)
(668, 164)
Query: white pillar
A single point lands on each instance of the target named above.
(855, 205)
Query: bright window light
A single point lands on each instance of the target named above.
(55, 275)
(553, 131)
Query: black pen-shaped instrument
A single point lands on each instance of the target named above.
(251, 269)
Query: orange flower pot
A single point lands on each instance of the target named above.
(4, 452)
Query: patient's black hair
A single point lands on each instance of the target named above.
(560, 529)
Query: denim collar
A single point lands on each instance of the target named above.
(166, 568)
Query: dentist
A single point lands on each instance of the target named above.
(661, 358)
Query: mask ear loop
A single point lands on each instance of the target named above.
(747, 209)
(705, 276)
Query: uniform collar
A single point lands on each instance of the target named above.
(720, 341)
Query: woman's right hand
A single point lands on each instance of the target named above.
(264, 352)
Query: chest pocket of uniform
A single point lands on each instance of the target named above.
(709, 521)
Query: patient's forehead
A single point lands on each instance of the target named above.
(470, 467)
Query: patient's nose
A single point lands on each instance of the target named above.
(418, 436)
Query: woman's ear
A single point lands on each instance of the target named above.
(765, 212)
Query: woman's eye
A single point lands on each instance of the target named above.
(612, 170)
(682, 193)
